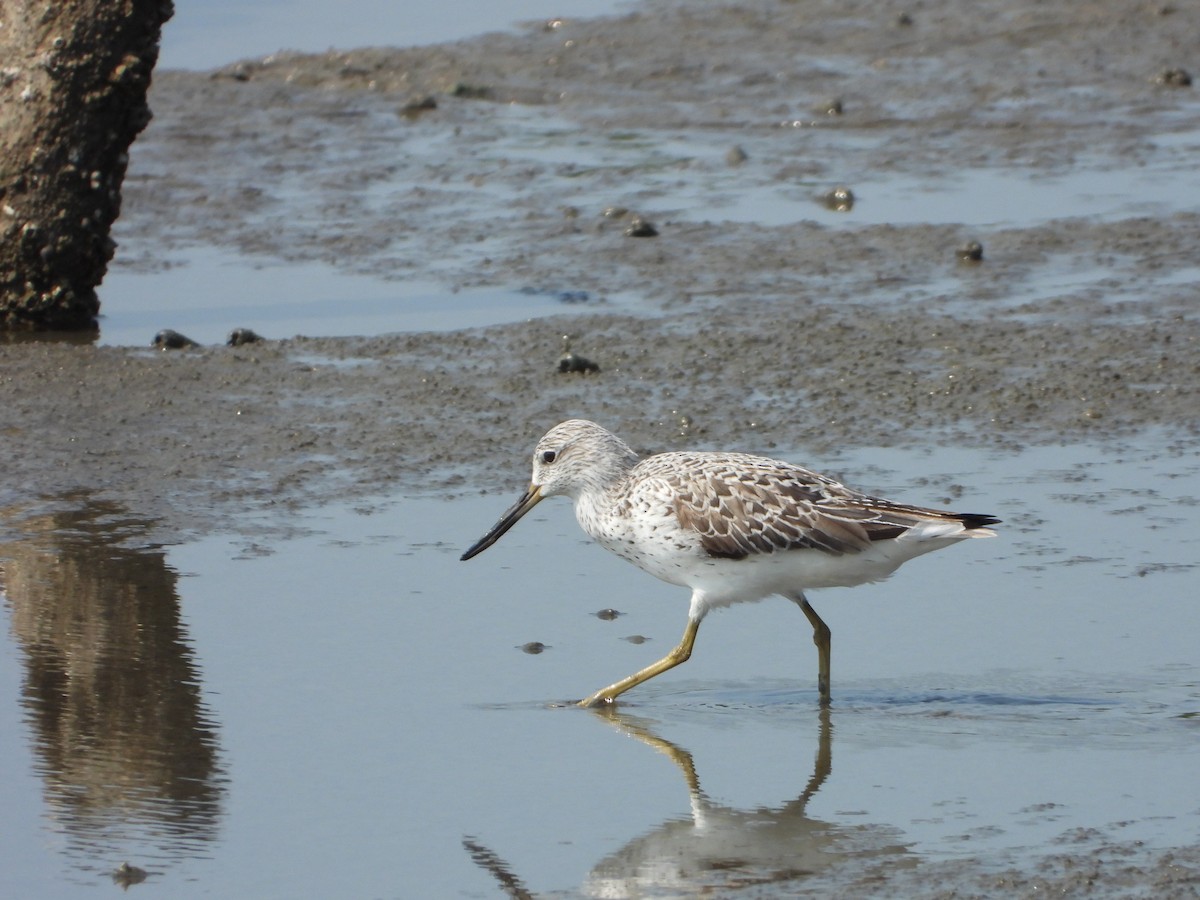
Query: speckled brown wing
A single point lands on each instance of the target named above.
(761, 506)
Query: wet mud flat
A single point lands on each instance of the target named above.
(793, 332)
(201, 437)
(798, 336)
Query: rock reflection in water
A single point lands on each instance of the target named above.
(120, 736)
(718, 847)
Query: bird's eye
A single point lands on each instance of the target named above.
(548, 456)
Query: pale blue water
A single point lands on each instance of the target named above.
(210, 34)
(222, 290)
(348, 712)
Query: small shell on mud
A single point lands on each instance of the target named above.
(970, 252)
(167, 339)
(1174, 78)
(418, 105)
(125, 875)
(572, 363)
(640, 228)
(240, 336)
(467, 91)
(839, 199)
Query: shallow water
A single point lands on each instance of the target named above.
(204, 36)
(352, 219)
(340, 707)
(221, 290)
(330, 703)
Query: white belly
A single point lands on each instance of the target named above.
(654, 541)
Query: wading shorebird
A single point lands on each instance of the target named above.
(732, 527)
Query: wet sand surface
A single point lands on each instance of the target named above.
(807, 334)
(757, 318)
(800, 335)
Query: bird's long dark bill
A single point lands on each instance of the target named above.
(528, 501)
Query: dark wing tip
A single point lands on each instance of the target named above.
(976, 520)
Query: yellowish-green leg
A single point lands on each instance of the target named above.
(679, 655)
(821, 637)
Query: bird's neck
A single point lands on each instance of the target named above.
(605, 480)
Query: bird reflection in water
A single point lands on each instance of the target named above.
(717, 847)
